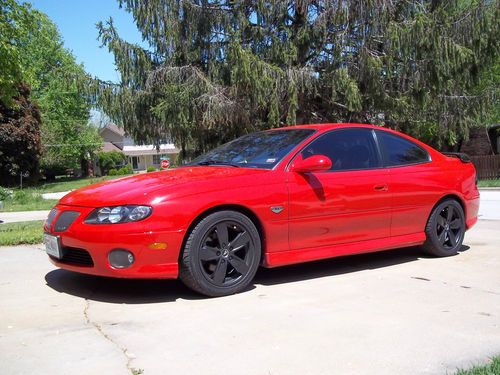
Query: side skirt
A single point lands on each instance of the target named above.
(283, 258)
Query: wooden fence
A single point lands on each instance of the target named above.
(487, 166)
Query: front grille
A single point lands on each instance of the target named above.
(64, 220)
(76, 256)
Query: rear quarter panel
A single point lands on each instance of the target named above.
(463, 183)
(417, 189)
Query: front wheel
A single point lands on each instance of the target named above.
(221, 254)
(445, 229)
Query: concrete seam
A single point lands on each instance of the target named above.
(99, 329)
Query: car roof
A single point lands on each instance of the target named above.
(328, 126)
(342, 125)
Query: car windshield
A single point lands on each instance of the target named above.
(257, 150)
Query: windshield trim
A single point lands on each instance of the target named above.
(299, 145)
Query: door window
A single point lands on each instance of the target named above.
(400, 151)
(348, 149)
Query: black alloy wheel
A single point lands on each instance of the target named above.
(445, 229)
(221, 254)
(225, 252)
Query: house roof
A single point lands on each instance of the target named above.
(168, 148)
(114, 128)
(108, 146)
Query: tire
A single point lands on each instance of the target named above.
(445, 229)
(221, 254)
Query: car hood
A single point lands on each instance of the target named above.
(143, 188)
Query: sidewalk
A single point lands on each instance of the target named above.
(14, 217)
(58, 195)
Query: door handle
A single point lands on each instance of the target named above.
(381, 187)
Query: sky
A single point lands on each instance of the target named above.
(76, 21)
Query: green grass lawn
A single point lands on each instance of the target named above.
(492, 368)
(26, 232)
(28, 201)
(489, 183)
(30, 198)
(67, 183)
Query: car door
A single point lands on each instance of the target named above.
(416, 183)
(348, 203)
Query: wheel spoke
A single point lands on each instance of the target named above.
(442, 237)
(241, 240)
(455, 224)
(239, 264)
(208, 253)
(441, 221)
(450, 213)
(220, 272)
(222, 234)
(453, 238)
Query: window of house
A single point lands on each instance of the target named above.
(157, 158)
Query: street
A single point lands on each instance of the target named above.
(395, 312)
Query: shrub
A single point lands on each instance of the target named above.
(4, 194)
(112, 172)
(151, 169)
(127, 169)
(109, 160)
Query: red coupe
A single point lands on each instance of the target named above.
(268, 199)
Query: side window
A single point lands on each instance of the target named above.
(399, 151)
(348, 149)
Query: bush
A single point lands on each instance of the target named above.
(127, 169)
(4, 194)
(109, 160)
(151, 169)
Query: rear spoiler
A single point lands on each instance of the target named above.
(464, 158)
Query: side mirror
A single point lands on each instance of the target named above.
(315, 163)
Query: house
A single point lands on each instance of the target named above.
(138, 156)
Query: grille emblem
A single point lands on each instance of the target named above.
(277, 209)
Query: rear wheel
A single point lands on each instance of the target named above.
(445, 229)
(221, 255)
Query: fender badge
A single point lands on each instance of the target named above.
(277, 209)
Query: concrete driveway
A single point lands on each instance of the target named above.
(395, 312)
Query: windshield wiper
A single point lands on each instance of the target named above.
(217, 162)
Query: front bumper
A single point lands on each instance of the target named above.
(98, 240)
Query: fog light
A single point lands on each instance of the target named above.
(120, 258)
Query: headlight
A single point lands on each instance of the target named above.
(118, 214)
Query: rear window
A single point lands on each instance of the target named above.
(398, 151)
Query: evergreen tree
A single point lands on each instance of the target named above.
(217, 68)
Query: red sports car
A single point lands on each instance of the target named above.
(268, 199)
